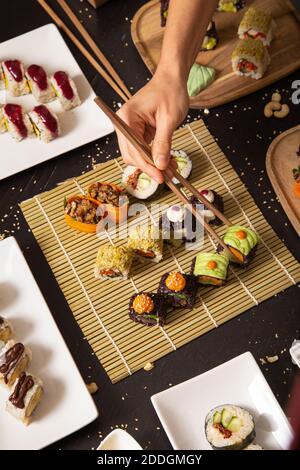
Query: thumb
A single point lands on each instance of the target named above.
(161, 147)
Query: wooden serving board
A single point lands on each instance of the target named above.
(147, 35)
(281, 159)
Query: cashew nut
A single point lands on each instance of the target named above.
(92, 388)
(283, 112)
(149, 366)
(276, 97)
(271, 107)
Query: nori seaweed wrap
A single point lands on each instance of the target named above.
(147, 308)
(178, 289)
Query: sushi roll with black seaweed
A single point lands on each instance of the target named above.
(210, 268)
(3, 127)
(148, 309)
(229, 427)
(65, 90)
(211, 39)
(113, 262)
(172, 227)
(146, 242)
(257, 24)
(45, 123)
(139, 184)
(15, 80)
(184, 164)
(253, 447)
(17, 122)
(231, 6)
(39, 84)
(214, 198)
(178, 289)
(242, 243)
(250, 58)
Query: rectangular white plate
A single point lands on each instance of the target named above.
(67, 405)
(182, 409)
(46, 47)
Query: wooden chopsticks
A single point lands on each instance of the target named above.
(110, 76)
(145, 150)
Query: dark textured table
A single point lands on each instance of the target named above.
(244, 135)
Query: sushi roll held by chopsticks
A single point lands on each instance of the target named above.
(65, 90)
(45, 123)
(17, 122)
(250, 58)
(257, 24)
(184, 164)
(15, 80)
(113, 262)
(138, 184)
(39, 84)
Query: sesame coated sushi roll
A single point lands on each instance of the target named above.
(231, 6)
(65, 90)
(14, 76)
(6, 330)
(26, 394)
(242, 242)
(148, 309)
(3, 127)
(14, 359)
(39, 84)
(146, 242)
(184, 164)
(211, 39)
(139, 184)
(178, 289)
(113, 262)
(250, 58)
(210, 268)
(17, 122)
(45, 123)
(257, 24)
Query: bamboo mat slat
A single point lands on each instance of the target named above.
(100, 308)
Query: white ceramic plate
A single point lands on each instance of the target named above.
(119, 439)
(67, 405)
(45, 46)
(182, 409)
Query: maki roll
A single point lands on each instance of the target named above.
(83, 213)
(45, 123)
(17, 122)
(242, 242)
(172, 227)
(210, 268)
(113, 262)
(14, 76)
(14, 358)
(211, 39)
(139, 184)
(26, 394)
(184, 164)
(253, 447)
(229, 427)
(250, 58)
(146, 242)
(65, 90)
(164, 6)
(178, 289)
(257, 24)
(214, 198)
(2, 78)
(3, 127)
(113, 197)
(6, 330)
(148, 309)
(39, 84)
(231, 6)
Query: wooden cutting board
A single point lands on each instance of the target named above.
(147, 35)
(281, 159)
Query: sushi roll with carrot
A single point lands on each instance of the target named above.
(148, 309)
(65, 90)
(113, 196)
(113, 262)
(257, 24)
(139, 184)
(15, 80)
(242, 243)
(250, 58)
(146, 242)
(210, 268)
(39, 84)
(45, 123)
(17, 122)
(178, 289)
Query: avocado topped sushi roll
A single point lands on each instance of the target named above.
(231, 6)
(138, 183)
(250, 58)
(113, 262)
(210, 268)
(184, 164)
(211, 39)
(257, 24)
(146, 242)
(242, 242)
(65, 90)
(45, 123)
(147, 308)
(178, 289)
(14, 75)
(229, 427)
(39, 84)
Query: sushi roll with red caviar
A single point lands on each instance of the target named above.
(148, 309)
(178, 289)
(65, 90)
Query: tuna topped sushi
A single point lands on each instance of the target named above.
(139, 184)
(65, 90)
(210, 268)
(184, 164)
(231, 6)
(45, 123)
(229, 427)
(242, 242)
(257, 24)
(250, 58)
(39, 84)
(178, 289)
(113, 262)
(147, 243)
(15, 81)
(17, 122)
(148, 309)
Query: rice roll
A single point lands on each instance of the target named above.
(148, 309)
(39, 84)
(184, 164)
(214, 198)
(14, 359)
(3, 127)
(6, 330)
(242, 243)
(231, 6)
(113, 262)
(139, 184)
(15, 80)
(250, 58)
(45, 123)
(253, 447)
(210, 268)
(211, 38)
(178, 289)
(146, 242)
(257, 24)
(26, 394)
(2, 78)
(17, 122)
(65, 90)
(171, 224)
(229, 427)
(113, 197)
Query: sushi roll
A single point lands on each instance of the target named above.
(171, 224)
(113, 262)
(231, 6)
(65, 90)
(242, 242)
(253, 447)
(6, 330)
(2, 78)
(3, 127)
(113, 197)
(26, 394)
(17, 122)
(148, 309)
(257, 24)
(229, 427)
(14, 359)
(39, 84)
(210, 268)
(250, 58)
(214, 198)
(15, 80)
(146, 242)
(83, 213)
(184, 164)
(164, 7)
(139, 184)
(45, 123)
(178, 289)
(211, 39)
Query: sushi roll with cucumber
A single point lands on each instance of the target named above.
(15, 80)
(229, 427)
(146, 242)
(250, 58)
(17, 122)
(242, 243)
(184, 164)
(210, 268)
(148, 309)
(39, 84)
(178, 289)
(139, 184)
(231, 6)
(65, 90)
(3, 127)
(257, 24)
(45, 123)
(113, 262)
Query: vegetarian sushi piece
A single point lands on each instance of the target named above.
(6, 330)
(184, 164)
(148, 309)
(242, 243)
(178, 289)
(26, 394)
(164, 7)
(83, 213)
(146, 242)
(113, 197)
(113, 262)
(257, 24)
(17, 122)
(214, 198)
(39, 84)
(229, 427)
(250, 58)
(138, 184)
(210, 268)
(3, 127)
(15, 80)
(14, 359)
(211, 38)
(231, 6)
(65, 90)
(45, 123)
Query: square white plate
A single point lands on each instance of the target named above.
(66, 405)
(46, 47)
(182, 409)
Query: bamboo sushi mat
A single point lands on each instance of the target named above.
(100, 308)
